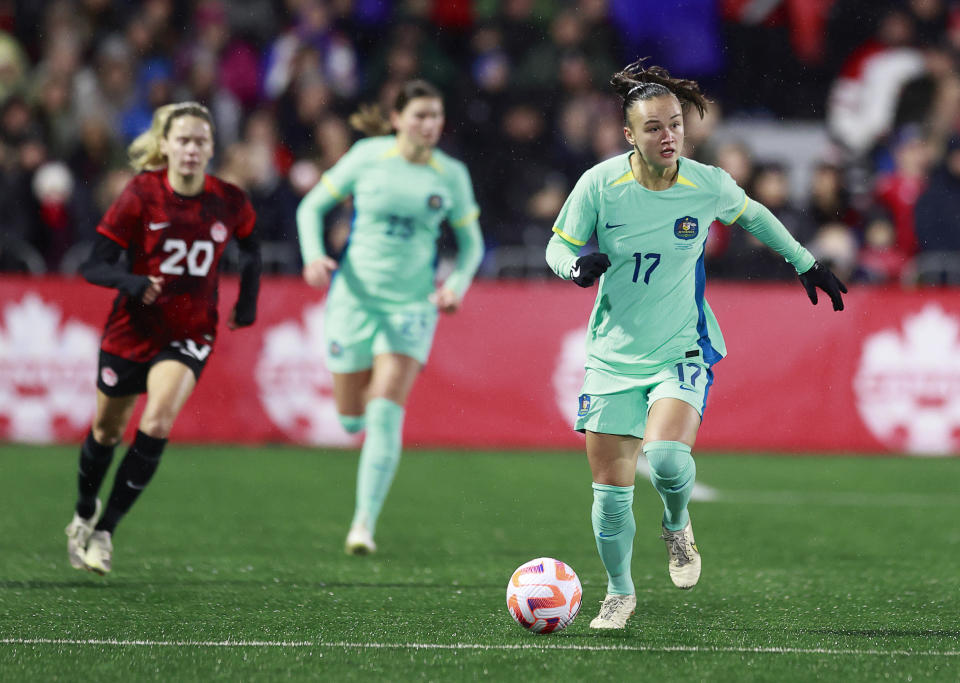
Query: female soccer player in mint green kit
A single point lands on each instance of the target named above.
(383, 302)
(652, 339)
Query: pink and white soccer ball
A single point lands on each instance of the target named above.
(544, 595)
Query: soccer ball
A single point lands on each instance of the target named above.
(544, 595)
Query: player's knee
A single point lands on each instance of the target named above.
(612, 505)
(352, 424)
(106, 434)
(158, 424)
(671, 464)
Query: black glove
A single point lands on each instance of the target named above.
(820, 276)
(588, 268)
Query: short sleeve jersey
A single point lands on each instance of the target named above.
(180, 239)
(399, 206)
(650, 309)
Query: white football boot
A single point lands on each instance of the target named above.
(614, 611)
(78, 533)
(684, 564)
(99, 555)
(359, 541)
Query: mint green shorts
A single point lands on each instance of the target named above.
(356, 333)
(618, 404)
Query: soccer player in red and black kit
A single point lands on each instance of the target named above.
(173, 222)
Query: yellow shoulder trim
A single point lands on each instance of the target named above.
(625, 178)
(745, 202)
(683, 181)
(392, 152)
(567, 237)
(470, 217)
(436, 165)
(331, 188)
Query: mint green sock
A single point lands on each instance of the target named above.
(673, 474)
(352, 424)
(614, 528)
(379, 458)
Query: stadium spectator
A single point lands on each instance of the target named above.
(513, 171)
(23, 151)
(162, 326)
(202, 85)
(879, 260)
(764, 33)
(154, 88)
(863, 99)
(381, 311)
(938, 207)
(829, 196)
(646, 385)
(54, 114)
(275, 204)
(735, 158)
(13, 66)
(568, 59)
(519, 22)
(835, 246)
(52, 186)
(106, 89)
(746, 253)
(262, 129)
(238, 61)
(897, 192)
(309, 102)
(313, 44)
(331, 139)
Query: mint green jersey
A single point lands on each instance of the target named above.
(399, 206)
(650, 309)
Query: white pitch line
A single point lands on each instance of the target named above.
(478, 646)
(850, 499)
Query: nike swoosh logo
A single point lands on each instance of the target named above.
(617, 225)
(134, 486)
(687, 388)
(603, 535)
(575, 272)
(159, 226)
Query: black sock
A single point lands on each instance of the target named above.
(95, 460)
(133, 475)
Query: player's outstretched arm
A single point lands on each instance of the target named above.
(244, 313)
(819, 276)
(103, 268)
(760, 221)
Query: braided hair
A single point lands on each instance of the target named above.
(636, 82)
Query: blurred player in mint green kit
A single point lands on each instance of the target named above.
(383, 301)
(652, 339)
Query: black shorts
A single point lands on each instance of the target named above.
(118, 376)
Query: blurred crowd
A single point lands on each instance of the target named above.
(528, 110)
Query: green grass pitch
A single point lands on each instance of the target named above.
(231, 567)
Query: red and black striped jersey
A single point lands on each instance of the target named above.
(180, 239)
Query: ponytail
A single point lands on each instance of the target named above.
(370, 120)
(144, 152)
(635, 83)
